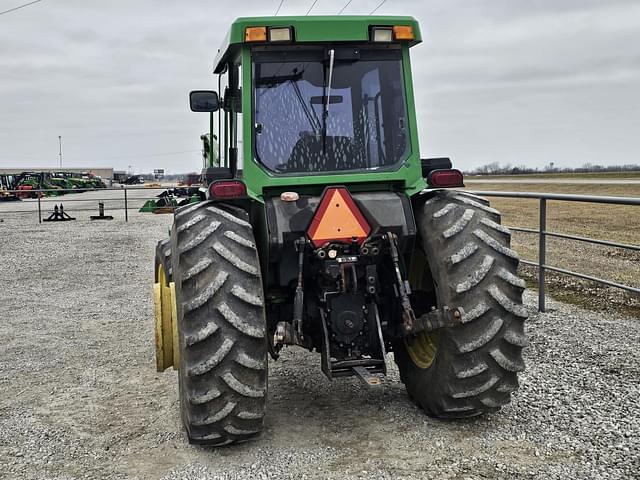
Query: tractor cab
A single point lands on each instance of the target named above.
(304, 99)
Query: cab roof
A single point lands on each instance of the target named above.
(333, 28)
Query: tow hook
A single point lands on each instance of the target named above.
(435, 319)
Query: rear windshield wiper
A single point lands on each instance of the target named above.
(326, 94)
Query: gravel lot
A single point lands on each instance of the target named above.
(81, 398)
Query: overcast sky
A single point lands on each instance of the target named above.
(525, 82)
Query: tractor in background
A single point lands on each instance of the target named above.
(6, 184)
(26, 182)
(322, 228)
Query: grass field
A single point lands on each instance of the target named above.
(615, 223)
(576, 176)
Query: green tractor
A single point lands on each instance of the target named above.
(323, 228)
(26, 182)
(61, 180)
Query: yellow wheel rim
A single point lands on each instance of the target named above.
(165, 313)
(423, 347)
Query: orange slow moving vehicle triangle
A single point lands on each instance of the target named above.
(338, 219)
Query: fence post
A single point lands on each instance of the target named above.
(542, 253)
(39, 210)
(126, 206)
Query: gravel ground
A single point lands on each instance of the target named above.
(81, 398)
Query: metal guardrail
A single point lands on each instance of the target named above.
(543, 234)
(64, 196)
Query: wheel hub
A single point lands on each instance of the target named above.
(422, 348)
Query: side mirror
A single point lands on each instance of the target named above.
(204, 101)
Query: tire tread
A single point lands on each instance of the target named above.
(221, 324)
(473, 267)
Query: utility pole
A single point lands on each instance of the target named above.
(60, 144)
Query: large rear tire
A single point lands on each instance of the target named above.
(221, 324)
(470, 369)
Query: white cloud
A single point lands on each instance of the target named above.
(495, 80)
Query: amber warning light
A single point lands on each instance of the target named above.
(338, 218)
(255, 34)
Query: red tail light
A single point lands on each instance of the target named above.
(226, 189)
(445, 179)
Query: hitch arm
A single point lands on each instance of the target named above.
(434, 320)
(408, 316)
(298, 302)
